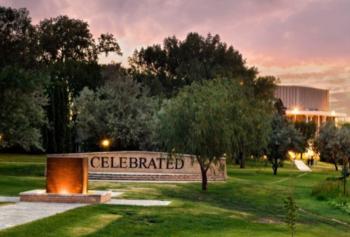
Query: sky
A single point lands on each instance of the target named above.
(302, 42)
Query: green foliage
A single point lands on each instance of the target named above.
(70, 53)
(307, 129)
(343, 137)
(18, 45)
(211, 118)
(283, 138)
(291, 213)
(328, 189)
(326, 143)
(119, 110)
(342, 204)
(179, 63)
(21, 108)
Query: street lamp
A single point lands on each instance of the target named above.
(105, 143)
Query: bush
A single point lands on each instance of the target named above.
(342, 204)
(329, 189)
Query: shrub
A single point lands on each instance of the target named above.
(329, 189)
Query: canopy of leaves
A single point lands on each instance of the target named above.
(21, 108)
(18, 44)
(119, 110)
(212, 118)
(326, 143)
(179, 63)
(283, 138)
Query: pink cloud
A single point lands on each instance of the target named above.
(302, 41)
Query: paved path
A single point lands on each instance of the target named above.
(9, 199)
(144, 203)
(18, 213)
(301, 166)
(24, 212)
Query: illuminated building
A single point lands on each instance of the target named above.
(307, 104)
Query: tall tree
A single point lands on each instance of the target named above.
(21, 108)
(343, 138)
(18, 38)
(21, 90)
(214, 117)
(326, 143)
(120, 110)
(283, 138)
(165, 69)
(70, 53)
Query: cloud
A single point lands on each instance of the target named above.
(302, 42)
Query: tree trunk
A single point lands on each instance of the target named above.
(204, 179)
(335, 165)
(275, 166)
(242, 160)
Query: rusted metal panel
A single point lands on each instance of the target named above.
(67, 175)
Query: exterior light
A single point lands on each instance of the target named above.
(105, 143)
(292, 154)
(295, 110)
(333, 113)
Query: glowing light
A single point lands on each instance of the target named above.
(333, 113)
(63, 191)
(295, 110)
(105, 143)
(292, 154)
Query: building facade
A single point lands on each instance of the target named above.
(307, 104)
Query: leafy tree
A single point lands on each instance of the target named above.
(119, 110)
(307, 129)
(326, 143)
(213, 117)
(291, 213)
(21, 108)
(283, 138)
(70, 53)
(252, 123)
(194, 123)
(343, 137)
(21, 90)
(179, 63)
(18, 39)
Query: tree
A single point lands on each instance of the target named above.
(252, 123)
(343, 137)
(70, 54)
(283, 138)
(120, 110)
(326, 143)
(291, 215)
(213, 117)
(21, 90)
(194, 123)
(179, 63)
(21, 108)
(18, 39)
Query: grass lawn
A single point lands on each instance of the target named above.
(250, 203)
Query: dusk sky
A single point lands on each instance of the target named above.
(304, 42)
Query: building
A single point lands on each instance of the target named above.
(307, 104)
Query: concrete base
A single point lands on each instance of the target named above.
(40, 195)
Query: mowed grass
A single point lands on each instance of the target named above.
(249, 203)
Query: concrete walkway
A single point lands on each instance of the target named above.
(18, 213)
(9, 199)
(301, 166)
(24, 212)
(143, 203)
